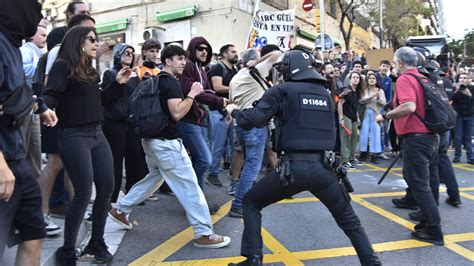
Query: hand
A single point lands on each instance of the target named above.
(196, 89)
(467, 92)
(49, 118)
(226, 101)
(123, 76)
(7, 180)
(251, 63)
(341, 122)
(231, 107)
(103, 47)
(379, 119)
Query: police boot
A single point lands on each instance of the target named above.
(253, 260)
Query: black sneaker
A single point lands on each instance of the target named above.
(213, 181)
(233, 187)
(254, 260)
(355, 162)
(416, 216)
(213, 208)
(470, 161)
(454, 203)
(65, 257)
(99, 250)
(348, 165)
(426, 236)
(403, 203)
(236, 212)
(374, 159)
(456, 160)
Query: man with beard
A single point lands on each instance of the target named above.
(220, 76)
(21, 218)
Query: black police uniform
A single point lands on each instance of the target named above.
(304, 116)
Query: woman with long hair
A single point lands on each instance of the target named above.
(73, 89)
(348, 111)
(373, 99)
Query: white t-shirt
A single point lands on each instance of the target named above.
(244, 90)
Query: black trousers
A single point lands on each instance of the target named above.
(308, 176)
(125, 144)
(420, 171)
(87, 158)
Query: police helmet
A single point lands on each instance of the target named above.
(297, 65)
(421, 63)
(432, 65)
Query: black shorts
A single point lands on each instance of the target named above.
(21, 218)
(49, 140)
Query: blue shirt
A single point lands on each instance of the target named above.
(12, 77)
(30, 54)
(386, 84)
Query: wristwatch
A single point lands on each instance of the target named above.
(384, 115)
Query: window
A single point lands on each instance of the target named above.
(280, 4)
(332, 8)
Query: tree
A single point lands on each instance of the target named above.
(400, 19)
(348, 13)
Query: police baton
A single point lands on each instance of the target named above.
(389, 168)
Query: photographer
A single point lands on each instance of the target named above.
(463, 104)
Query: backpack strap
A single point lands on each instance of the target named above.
(261, 81)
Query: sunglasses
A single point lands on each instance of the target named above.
(127, 53)
(92, 39)
(201, 48)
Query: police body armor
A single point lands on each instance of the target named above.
(306, 122)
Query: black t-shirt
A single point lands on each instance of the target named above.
(220, 69)
(350, 108)
(169, 89)
(77, 102)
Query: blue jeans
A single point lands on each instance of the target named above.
(195, 139)
(370, 130)
(220, 134)
(463, 137)
(253, 144)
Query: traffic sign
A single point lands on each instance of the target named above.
(307, 5)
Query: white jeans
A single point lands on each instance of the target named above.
(168, 160)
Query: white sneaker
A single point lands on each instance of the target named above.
(152, 198)
(51, 228)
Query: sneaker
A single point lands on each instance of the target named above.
(99, 250)
(213, 208)
(383, 156)
(58, 212)
(454, 203)
(348, 165)
(236, 212)
(470, 161)
(363, 156)
(152, 197)
(253, 260)
(426, 236)
(374, 159)
(213, 181)
(120, 218)
(403, 203)
(233, 187)
(416, 216)
(212, 241)
(164, 189)
(51, 227)
(65, 257)
(355, 162)
(456, 160)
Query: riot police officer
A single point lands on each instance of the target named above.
(304, 116)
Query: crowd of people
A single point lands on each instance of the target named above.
(89, 142)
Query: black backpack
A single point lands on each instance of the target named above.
(146, 114)
(439, 114)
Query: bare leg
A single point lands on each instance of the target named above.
(47, 177)
(237, 163)
(28, 253)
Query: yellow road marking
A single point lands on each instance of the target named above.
(465, 195)
(381, 169)
(177, 242)
(464, 167)
(330, 252)
(277, 248)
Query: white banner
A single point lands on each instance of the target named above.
(271, 28)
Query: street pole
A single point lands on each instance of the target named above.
(322, 12)
(381, 23)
